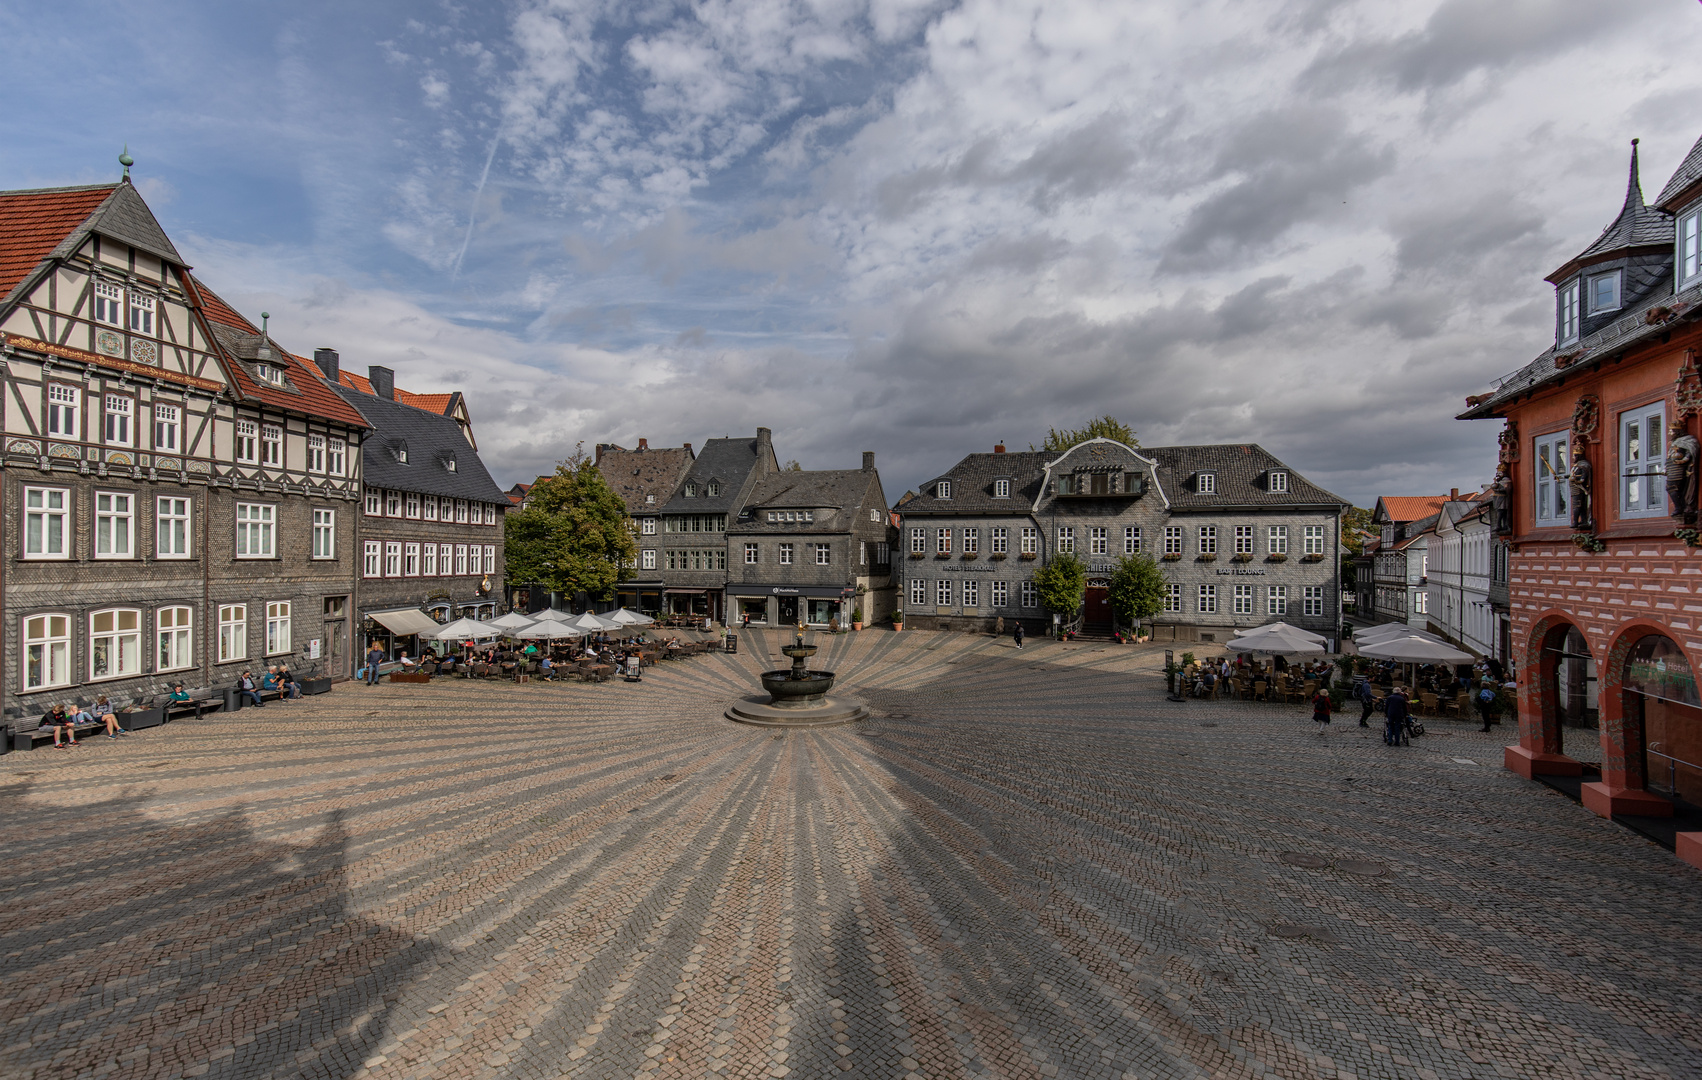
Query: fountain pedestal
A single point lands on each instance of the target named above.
(797, 697)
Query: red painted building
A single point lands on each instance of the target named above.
(1596, 496)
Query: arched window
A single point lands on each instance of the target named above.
(47, 651)
(175, 633)
(115, 643)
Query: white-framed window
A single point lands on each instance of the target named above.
(971, 593)
(942, 541)
(118, 412)
(392, 504)
(751, 554)
(862, 553)
(1243, 599)
(115, 525)
(1643, 461)
(428, 507)
(490, 559)
(942, 593)
(1206, 483)
(785, 554)
(1173, 541)
(47, 523)
(942, 490)
(1312, 599)
(410, 560)
(1566, 318)
(372, 558)
(1030, 595)
(108, 304)
(1689, 236)
(647, 527)
(490, 513)
(1208, 600)
(374, 503)
(1001, 593)
(1208, 539)
(393, 558)
(316, 453)
(1421, 602)
(1173, 598)
(171, 527)
(1000, 539)
(277, 627)
(972, 541)
(919, 541)
(1066, 538)
(166, 427)
(918, 592)
(1001, 489)
(174, 634)
(1314, 540)
(62, 411)
(1131, 539)
(47, 651)
(445, 559)
(271, 446)
(1276, 600)
(461, 560)
(1243, 539)
(1098, 540)
(247, 442)
(1279, 482)
(256, 528)
(428, 560)
(141, 313)
(233, 632)
(461, 511)
(336, 457)
(324, 534)
(115, 643)
(1604, 292)
(411, 506)
(647, 558)
(1552, 462)
(1276, 539)
(824, 554)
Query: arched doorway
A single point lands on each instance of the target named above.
(1576, 704)
(1662, 718)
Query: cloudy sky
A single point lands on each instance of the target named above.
(906, 226)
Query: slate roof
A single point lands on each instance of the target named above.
(1637, 226)
(729, 461)
(430, 438)
(34, 223)
(633, 474)
(437, 403)
(816, 489)
(1242, 470)
(1679, 190)
(240, 340)
(972, 485)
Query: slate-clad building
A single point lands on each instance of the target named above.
(645, 479)
(431, 522)
(1242, 539)
(692, 544)
(177, 487)
(811, 547)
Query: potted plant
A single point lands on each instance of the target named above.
(856, 618)
(1208, 556)
(897, 619)
(998, 555)
(970, 555)
(1172, 556)
(1026, 556)
(1246, 556)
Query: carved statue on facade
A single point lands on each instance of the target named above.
(1579, 480)
(1501, 501)
(1509, 440)
(1682, 454)
(1586, 418)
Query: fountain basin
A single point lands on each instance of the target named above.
(788, 692)
(797, 697)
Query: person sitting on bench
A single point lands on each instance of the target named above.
(269, 685)
(546, 668)
(178, 694)
(287, 686)
(59, 719)
(246, 687)
(104, 714)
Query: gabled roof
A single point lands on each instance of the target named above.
(1243, 477)
(1682, 188)
(1637, 227)
(240, 341)
(633, 474)
(437, 403)
(727, 460)
(430, 439)
(1404, 508)
(34, 223)
(972, 485)
(816, 489)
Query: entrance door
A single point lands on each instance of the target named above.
(788, 610)
(336, 648)
(1096, 613)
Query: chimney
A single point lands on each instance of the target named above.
(868, 461)
(328, 363)
(644, 444)
(764, 447)
(998, 448)
(688, 448)
(1454, 494)
(383, 382)
(598, 460)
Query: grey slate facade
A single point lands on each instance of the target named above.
(692, 543)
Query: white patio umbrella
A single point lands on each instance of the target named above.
(592, 624)
(547, 628)
(1287, 641)
(462, 629)
(551, 615)
(513, 621)
(1388, 632)
(1282, 627)
(629, 618)
(1415, 650)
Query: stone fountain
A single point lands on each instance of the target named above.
(797, 696)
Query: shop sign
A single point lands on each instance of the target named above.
(1238, 571)
(1657, 668)
(970, 568)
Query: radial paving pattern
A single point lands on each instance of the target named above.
(1025, 865)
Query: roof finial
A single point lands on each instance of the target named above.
(126, 160)
(1634, 186)
(264, 315)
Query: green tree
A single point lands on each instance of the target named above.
(792, 466)
(1062, 584)
(1355, 523)
(1137, 589)
(1106, 427)
(574, 535)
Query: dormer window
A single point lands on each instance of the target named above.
(1279, 483)
(1206, 484)
(141, 313)
(711, 489)
(268, 373)
(401, 451)
(1689, 247)
(449, 463)
(1001, 489)
(942, 490)
(649, 500)
(107, 300)
(691, 491)
(1566, 329)
(1604, 292)
(772, 517)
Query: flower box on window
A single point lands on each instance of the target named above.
(1172, 556)
(997, 555)
(969, 555)
(1276, 557)
(918, 555)
(1028, 555)
(942, 554)
(1208, 557)
(1314, 557)
(1247, 557)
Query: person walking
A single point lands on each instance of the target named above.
(1486, 706)
(1017, 634)
(1367, 701)
(1321, 706)
(1395, 717)
(374, 657)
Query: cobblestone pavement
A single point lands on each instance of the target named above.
(1025, 865)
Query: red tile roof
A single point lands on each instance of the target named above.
(1417, 507)
(32, 224)
(432, 403)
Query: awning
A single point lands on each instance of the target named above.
(836, 592)
(405, 621)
